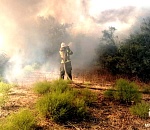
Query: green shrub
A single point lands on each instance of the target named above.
(61, 106)
(42, 87)
(63, 103)
(80, 108)
(127, 92)
(4, 89)
(88, 96)
(109, 94)
(3, 99)
(56, 85)
(60, 85)
(141, 109)
(22, 120)
(42, 105)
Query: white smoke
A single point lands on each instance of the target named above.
(25, 30)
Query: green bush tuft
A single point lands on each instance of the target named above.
(22, 120)
(124, 92)
(4, 89)
(61, 106)
(63, 103)
(60, 85)
(45, 87)
(127, 92)
(42, 87)
(80, 108)
(140, 109)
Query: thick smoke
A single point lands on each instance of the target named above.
(32, 30)
(117, 15)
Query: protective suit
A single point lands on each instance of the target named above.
(65, 67)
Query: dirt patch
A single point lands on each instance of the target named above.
(19, 97)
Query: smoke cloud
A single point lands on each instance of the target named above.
(28, 27)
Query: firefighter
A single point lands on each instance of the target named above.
(65, 67)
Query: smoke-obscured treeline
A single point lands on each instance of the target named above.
(48, 45)
(41, 46)
(131, 57)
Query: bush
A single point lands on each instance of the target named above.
(45, 87)
(3, 99)
(80, 108)
(42, 105)
(62, 103)
(127, 92)
(60, 85)
(141, 110)
(4, 89)
(42, 87)
(23, 120)
(61, 106)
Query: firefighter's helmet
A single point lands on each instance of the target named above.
(63, 44)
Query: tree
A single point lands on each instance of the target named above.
(107, 50)
(54, 34)
(108, 36)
